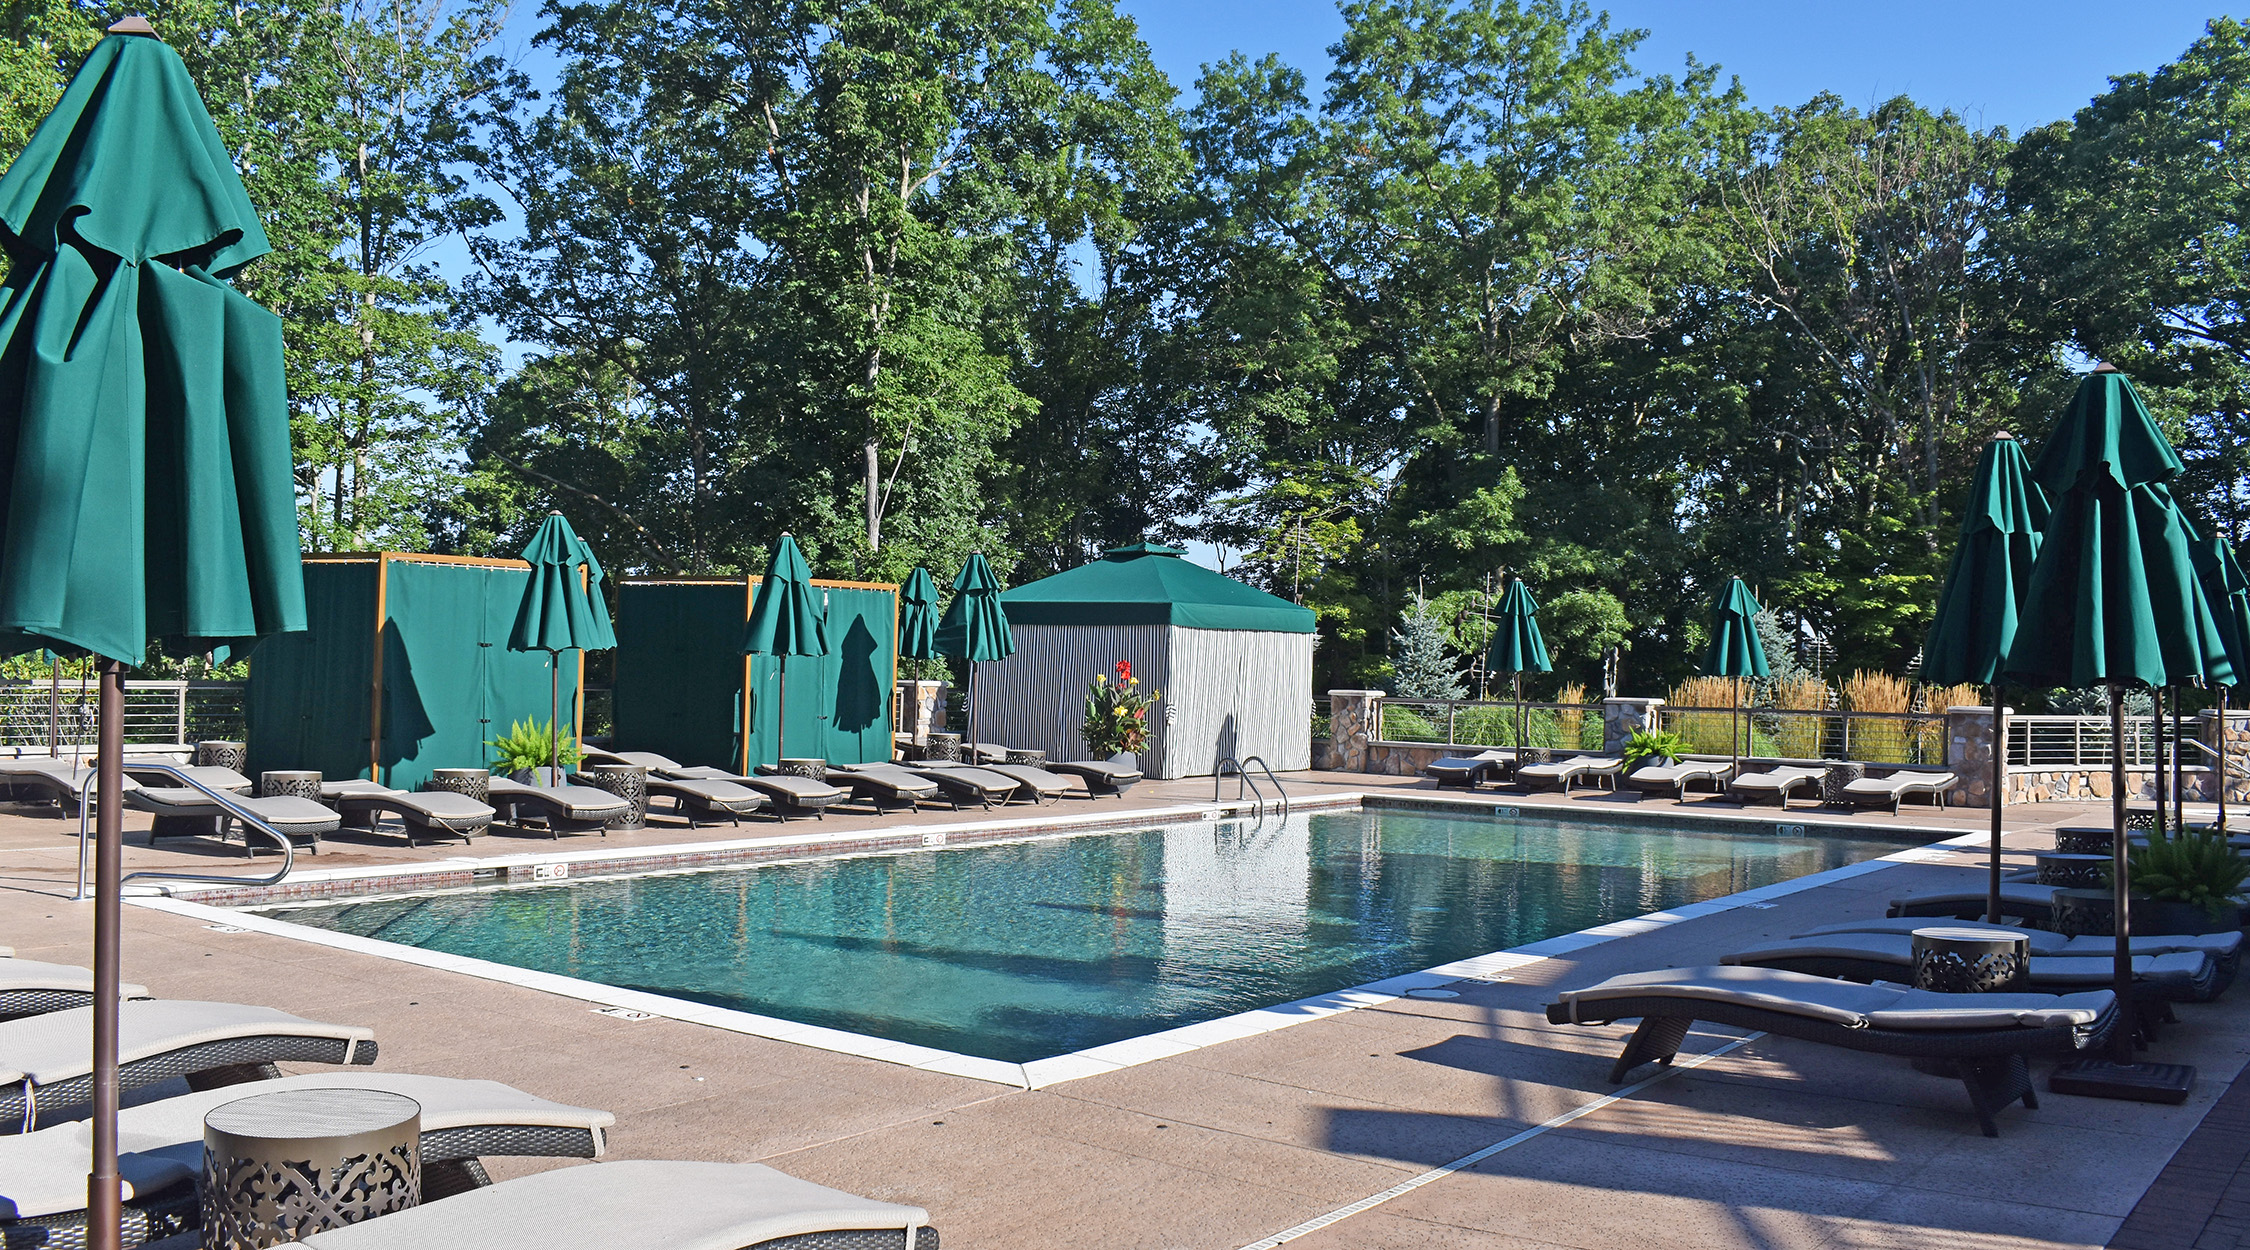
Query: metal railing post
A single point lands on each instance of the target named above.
(181, 716)
(1451, 711)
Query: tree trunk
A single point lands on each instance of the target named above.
(874, 494)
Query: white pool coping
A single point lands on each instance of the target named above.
(1095, 1060)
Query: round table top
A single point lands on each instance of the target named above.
(291, 774)
(620, 768)
(460, 772)
(802, 759)
(2071, 856)
(1947, 933)
(302, 1113)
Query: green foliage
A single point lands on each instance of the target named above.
(1422, 664)
(1653, 744)
(532, 744)
(2192, 867)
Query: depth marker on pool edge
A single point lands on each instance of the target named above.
(1473, 1158)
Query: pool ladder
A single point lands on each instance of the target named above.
(1243, 779)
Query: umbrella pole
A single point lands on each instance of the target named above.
(1519, 718)
(2179, 748)
(2121, 924)
(1999, 802)
(781, 712)
(104, 1196)
(2221, 796)
(554, 718)
(2156, 745)
(54, 705)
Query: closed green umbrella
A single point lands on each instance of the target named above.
(975, 627)
(1736, 650)
(562, 610)
(1516, 645)
(2113, 597)
(148, 476)
(2228, 591)
(1981, 604)
(786, 620)
(918, 616)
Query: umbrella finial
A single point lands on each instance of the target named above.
(2103, 366)
(2000, 434)
(134, 25)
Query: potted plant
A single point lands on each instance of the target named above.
(1649, 744)
(1116, 727)
(2186, 884)
(529, 746)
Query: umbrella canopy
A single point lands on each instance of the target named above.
(1517, 646)
(562, 607)
(2113, 595)
(786, 619)
(147, 471)
(918, 616)
(2228, 592)
(149, 489)
(1991, 574)
(1736, 650)
(975, 627)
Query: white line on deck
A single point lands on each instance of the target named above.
(1473, 1158)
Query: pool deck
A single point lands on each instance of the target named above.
(1774, 1143)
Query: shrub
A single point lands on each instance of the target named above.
(2198, 868)
(530, 744)
(1878, 741)
(1645, 744)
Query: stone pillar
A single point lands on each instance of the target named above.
(1968, 754)
(921, 708)
(1620, 717)
(2235, 749)
(1352, 722)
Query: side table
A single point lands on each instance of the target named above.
(2076, 872)
(1033, 759)
(815, 769)
(2084, 840)
(1833, 781)
(942, 746)
(219, 753)
(474, 782)
(1970, 961)
(280, 1167)
(291, 783)
(628, 782)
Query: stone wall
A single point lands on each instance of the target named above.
(1620, 717)
(921, 708)
(2236, 750)
(2063, 785)
(1351, 726)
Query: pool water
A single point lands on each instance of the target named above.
(1020, 951)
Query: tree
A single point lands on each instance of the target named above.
(1422, 666)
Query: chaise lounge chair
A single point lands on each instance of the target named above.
(560, 809)
(1775, 783)
(46, 779)
(1471, 771)
(1990, 1037)
(1036, 782)
(2176, 976)
(46, 1063)
(43, 1174)
(1101, 776)
(707, 802)
(183, 813)
(2225, 949)
(424, 814)
(2028, 901)
(1905, 784)
(1676, 778)
(1566, 773)
(879, 783)
(202, 774)
(785, 793)
(31, 988)
(644, 1204)
(963, 781)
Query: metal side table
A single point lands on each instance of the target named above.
(280, 1167)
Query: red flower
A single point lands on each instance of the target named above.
(1124, 670)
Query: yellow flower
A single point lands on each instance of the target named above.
(1120, 711)
(1132, 681)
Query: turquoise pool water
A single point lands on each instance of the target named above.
(1025, 950)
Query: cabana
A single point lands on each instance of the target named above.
(404, 668)
(685, 689)
(1233, 663)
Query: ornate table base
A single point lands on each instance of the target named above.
(280, 1167)
(628, 782)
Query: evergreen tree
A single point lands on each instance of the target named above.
(1422, 666)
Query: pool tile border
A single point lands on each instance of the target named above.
(1037, 1073)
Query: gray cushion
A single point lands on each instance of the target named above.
(888, 776)
(1897, 949)
(57, 1047)
(632, 1205)
(730, 795)
(30, 974)
(1579, 764)
(282, 810)
(572, 802)
(1897, 783)
(1776, 778)
(1845, 1003)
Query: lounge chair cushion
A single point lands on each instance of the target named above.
(1039, 779)
(729, 796)
(572, 802)
(2042, 942)
(629, 1205)
(30, 974)
(285, 811)
(206, 774)
(798, 789)
(888, 777)
(1846, 1003)
(1897, 950)
(1576, 765)
(44, 1173)
(1776, 778)
(50, 1048)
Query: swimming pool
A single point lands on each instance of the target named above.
(1022, 950)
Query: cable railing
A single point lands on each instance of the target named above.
(2077, 742)
(1490, 723)
(1810, 734)
(35, 713)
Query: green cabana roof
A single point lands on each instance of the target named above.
(1148, 584)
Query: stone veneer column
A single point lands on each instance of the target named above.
(1620, 717)
(1352, 722)
(1968, 755)
(922, 705)
(2236, 751)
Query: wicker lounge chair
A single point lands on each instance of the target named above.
(422, 814)
(558, 809)
(786, 794)
(2030, 902)
(43, 1174)
(2177, 976)
(1989, 1037)
(46, 1064)
(1101, 776)
(1905, 784)
(707, 802)
(879, 783)
(57, 781)
(31, 988)
(1775, 783)
(644, 1204)
(1676, 778)
(962, 781)
(183, 813)
(1471, 771)
(1034, 782)
(1602, 769)
(2225, 949)
(202, 774)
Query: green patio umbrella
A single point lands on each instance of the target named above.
(1736, 650)
(148, 479)
(1516, 646)
(975, 627)
(2228, 591)
(918, 616)
(562, 610)
(785, 620)
(1978, 610)
(2113, 597)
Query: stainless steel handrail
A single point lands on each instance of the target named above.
(228, 802)
(1242, 778)
(1280, 795)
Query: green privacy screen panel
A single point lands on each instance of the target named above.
(145, 476)
(1146, 584)
(686, 690)
(405, 668)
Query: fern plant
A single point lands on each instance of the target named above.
(530, 744)
(1648, 743)
(2198, 868)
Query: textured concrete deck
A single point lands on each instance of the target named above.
(1774, 1144)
